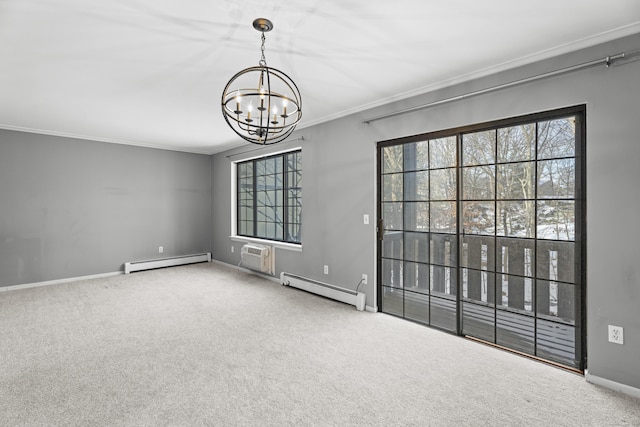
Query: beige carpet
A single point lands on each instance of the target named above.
(208, 344)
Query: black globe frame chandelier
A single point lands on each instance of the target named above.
(262, 104)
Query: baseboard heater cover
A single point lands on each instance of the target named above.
(166, 262)
(324, 289)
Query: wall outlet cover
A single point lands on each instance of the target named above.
(616, 334)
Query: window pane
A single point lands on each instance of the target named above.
(555, 261)
(556, 342)
(416, 306)
(479, 148)
(392, 273)
(443, 313)
(416, 185)
(392, 187)
(515, 331)
(392, 244)
(293, 233)
(442, 153)
(392, 301)
(416, 247)
(416, 216)
(443, 249)
(478, 252)
(261, 183)
(556, 220)
(244, 170)
(556, 138)
(515, 181)
(516, 256)
(517, 143)
(478, 321)
(480, 286)
(515, 292)
(516, 219)
(478, 218)
(443, 217)
(416, 277)
(556, 179)
(442, 184)
(392, 216)
(556, 301)
(443, 280)
(262, 229)
(416, 156)
(392, 159)
(478, 183)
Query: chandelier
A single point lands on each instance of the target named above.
(262, 104)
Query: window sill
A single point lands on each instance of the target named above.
(275, 244)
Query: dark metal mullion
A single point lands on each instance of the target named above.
(430, 255)
(255, 199)
(285, 198)
(379, 224)
(238, 200)
(580, 238)
(402, 261)
(534, 266)
(495, 239)
(459, 234)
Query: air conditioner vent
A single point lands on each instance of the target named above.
(257, 257)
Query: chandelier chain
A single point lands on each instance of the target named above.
(263, 61)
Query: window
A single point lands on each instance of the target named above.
(269, 197)
(483, 231)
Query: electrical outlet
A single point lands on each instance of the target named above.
(365, 219)
(233, 249)
(160, 249)
(616, 334)
(326, 269)
(364, 279)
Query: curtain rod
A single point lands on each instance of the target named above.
(609, 60)
(300, 138)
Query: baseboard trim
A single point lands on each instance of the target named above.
(58, 281)
(613, 385)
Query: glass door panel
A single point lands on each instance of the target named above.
(481, 233)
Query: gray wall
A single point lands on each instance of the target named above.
(72, 208)
(339, 187)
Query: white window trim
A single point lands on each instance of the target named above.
(234, 210)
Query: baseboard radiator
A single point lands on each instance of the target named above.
(130, 267)
(324, 289)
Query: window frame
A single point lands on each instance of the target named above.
(235, 236)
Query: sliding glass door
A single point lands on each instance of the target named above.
(481, 233)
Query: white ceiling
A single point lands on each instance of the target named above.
(151, 72)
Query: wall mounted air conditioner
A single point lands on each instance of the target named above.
(256, 257)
